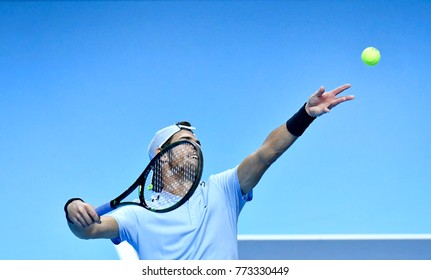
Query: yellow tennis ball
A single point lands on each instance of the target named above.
(370, 56)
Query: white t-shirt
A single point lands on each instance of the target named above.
(204, 227)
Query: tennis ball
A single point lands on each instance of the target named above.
(370, 56)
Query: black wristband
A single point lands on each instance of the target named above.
(65, 207)
(299, 122)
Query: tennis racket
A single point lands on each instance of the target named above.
(167, 182)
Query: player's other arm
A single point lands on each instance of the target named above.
(84, 222)
(252, 168)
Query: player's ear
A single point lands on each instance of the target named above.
(158, 150)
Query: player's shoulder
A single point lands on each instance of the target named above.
(231, 173)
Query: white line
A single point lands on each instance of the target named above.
(246, 237)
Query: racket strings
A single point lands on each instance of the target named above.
(171, 178)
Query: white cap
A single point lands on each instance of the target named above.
(162, 136)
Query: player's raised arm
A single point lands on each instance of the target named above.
(251, 170)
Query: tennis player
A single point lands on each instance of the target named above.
(205, 227)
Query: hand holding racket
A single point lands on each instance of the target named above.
(167, 182)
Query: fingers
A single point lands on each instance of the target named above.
(95, 217)
(320, 91)
(340, 100)
(84, 215)
(328, 100)
(336, 102)
(83, 221)
(340, 89)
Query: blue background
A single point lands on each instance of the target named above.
(84, 86)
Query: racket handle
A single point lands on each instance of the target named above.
(103, 209)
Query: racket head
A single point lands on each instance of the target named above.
(171, 177)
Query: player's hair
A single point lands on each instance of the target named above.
(186, 123)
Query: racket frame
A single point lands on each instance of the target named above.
(117, 202)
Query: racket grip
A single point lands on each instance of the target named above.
(103, 209)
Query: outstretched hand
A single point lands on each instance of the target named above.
(322, 102)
